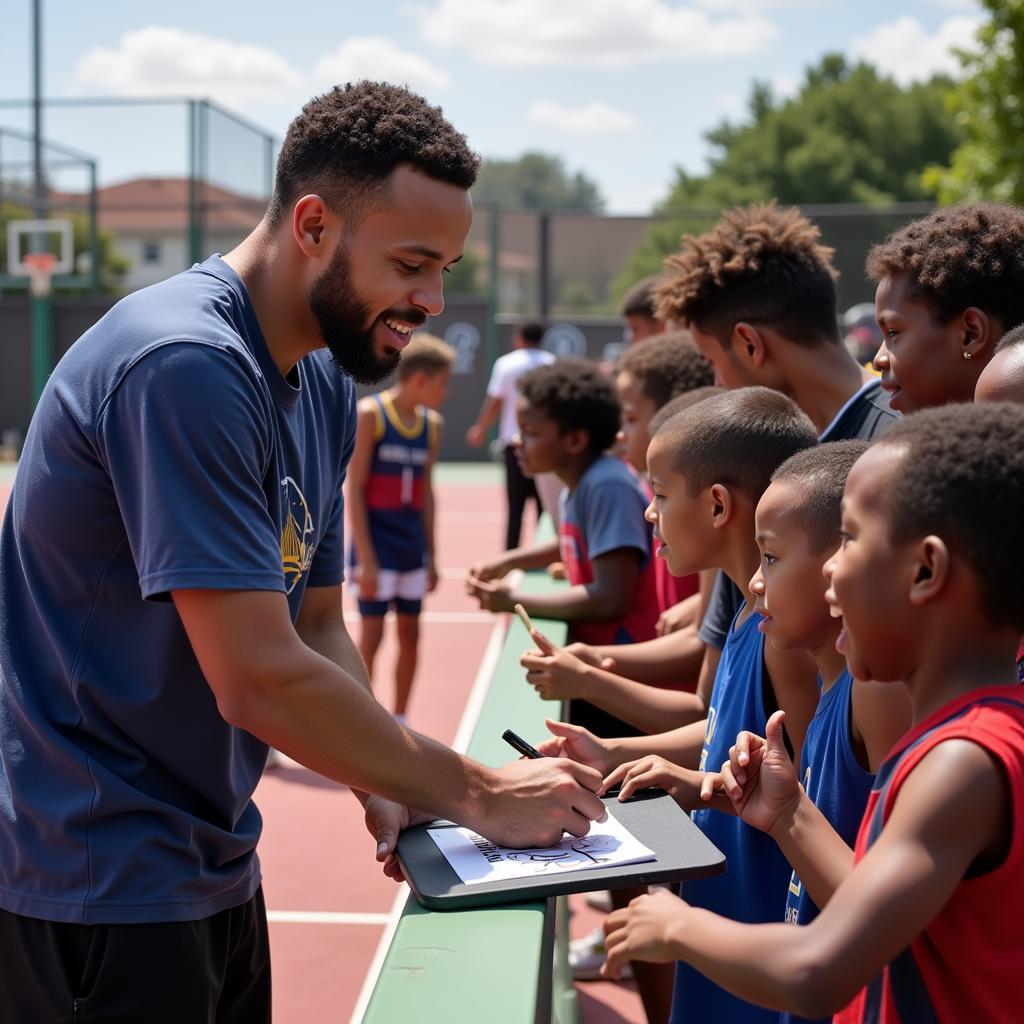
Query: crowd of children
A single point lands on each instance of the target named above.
(854, 743)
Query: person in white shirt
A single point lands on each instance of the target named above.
(500, 405)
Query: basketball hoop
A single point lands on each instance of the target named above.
(40, 271)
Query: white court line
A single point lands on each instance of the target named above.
(323, 917)
(467, 724)
(441, 618)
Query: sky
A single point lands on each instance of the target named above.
(622, 90)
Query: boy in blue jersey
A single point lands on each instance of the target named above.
(568, 418)
(856, 723)
(709, 466)
(391, 504)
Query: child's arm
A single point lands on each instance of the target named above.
(952, 812)
(664, 660)
(436, 430)
(607, 598)
(358, 474)
(681, 746)
(489, 412)
(761, 781)
(538, 557)
(557, 674)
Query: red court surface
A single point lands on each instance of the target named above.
(327, 901)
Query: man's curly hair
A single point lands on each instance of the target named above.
(577, 396)
(345, 144)
(666, 365)
(958, 257)
(960, 477)
(760, 264)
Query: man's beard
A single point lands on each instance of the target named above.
(346, 327)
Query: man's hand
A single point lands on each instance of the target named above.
(367, 580)
(686, 786)
(384, 820)
(642, 931)
(553, 672)
(759, 778)
(532, 802)
(577, 744)
(493, 595)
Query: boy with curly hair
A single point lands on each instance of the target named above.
(568, 418)
(949, 286)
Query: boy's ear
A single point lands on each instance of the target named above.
(576, 441)
(748, 344)
(930, 570)
(722, 505)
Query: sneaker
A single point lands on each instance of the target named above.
(586, 956)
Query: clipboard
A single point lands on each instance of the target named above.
(682, 852)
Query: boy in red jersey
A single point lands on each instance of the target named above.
(921, 920)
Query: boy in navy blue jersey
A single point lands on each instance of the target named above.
(568, 418)
(391, 504)
(856, 723)
(709, 467)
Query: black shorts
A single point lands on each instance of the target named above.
(213, 971)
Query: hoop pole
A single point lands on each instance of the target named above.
(42, 337)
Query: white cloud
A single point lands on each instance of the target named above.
(596, 33)
(905, 50)
(378, 58)
(157, 60)
(590, 119)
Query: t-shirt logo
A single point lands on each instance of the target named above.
(297, 535)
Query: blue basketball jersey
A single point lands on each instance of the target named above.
(395, 485)
(836, 783)
(752, 889)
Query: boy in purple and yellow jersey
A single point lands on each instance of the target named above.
(391, 504)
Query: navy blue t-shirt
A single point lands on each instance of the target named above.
(167, 452)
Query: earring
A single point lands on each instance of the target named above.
(967, 355)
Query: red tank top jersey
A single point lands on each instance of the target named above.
(967, 964)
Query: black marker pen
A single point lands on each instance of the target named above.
(520, 744)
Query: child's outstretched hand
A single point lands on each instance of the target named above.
(759, 777)
(641, 931)
(492, 595)
(686, 786)
(576, 743)
(554, 672)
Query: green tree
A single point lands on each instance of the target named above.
(850, 135)
(989, 107)
(464, 278)
(534, 181)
